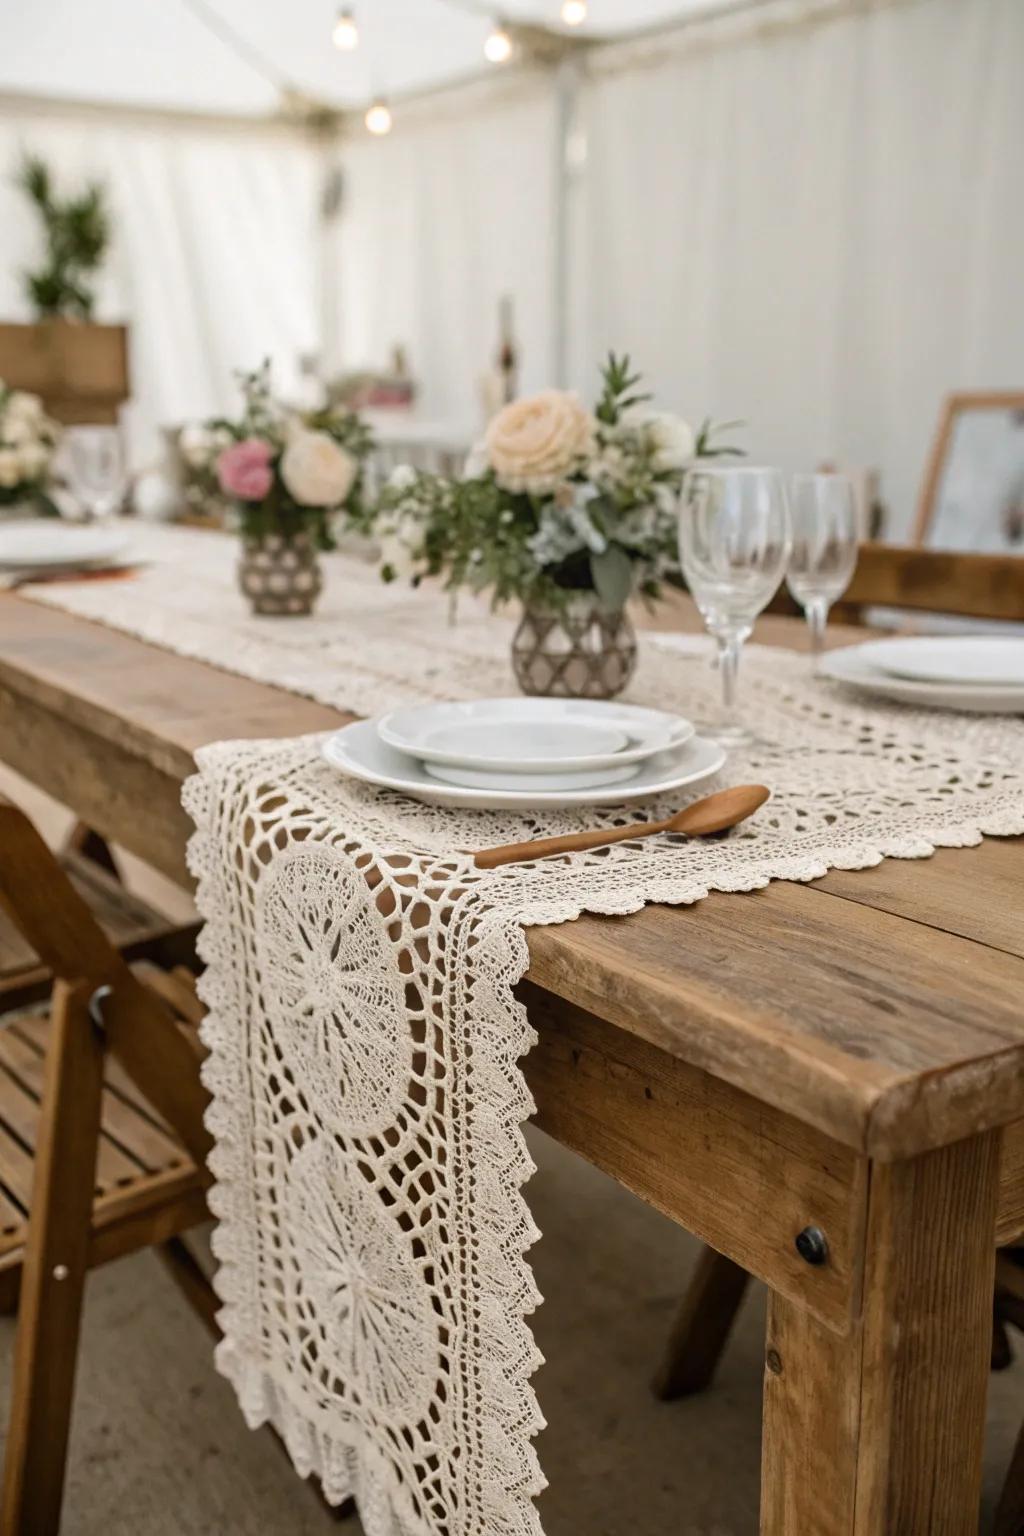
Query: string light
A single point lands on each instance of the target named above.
(498, 47)
(574, 12)
(346, 33)
(378, 117)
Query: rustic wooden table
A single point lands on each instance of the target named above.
(847, 1055)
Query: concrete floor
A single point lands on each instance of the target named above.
(160, 1449)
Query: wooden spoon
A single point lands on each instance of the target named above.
(715, 813)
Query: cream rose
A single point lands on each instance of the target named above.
(533, 444)
(316, 470)
(10, 468)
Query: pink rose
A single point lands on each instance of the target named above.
(244, 471)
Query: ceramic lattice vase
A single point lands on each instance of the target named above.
(581, 651)
(280, 574)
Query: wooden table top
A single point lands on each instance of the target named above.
(883, 1006)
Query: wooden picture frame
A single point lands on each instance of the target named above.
(954, 407)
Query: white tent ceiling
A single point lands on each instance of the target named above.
(162, 53)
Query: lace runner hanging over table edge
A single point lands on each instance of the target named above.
(364, 1040)
(365, 1037)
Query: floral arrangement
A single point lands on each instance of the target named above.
(556, 501)
(284, 472)
(28, 439)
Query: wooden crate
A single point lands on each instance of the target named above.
(79, 370)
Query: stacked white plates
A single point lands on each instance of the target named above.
(977, 674)
(525, 754)
(48, 546)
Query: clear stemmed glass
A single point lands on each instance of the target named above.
(733, 547)
(824, 553)
(96, 468)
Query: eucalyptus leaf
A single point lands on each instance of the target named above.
(612, 571)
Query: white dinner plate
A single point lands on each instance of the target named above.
(47, 544)
(988, 660)
(476, 778)
(852, 665)
(358, 751)
(523, 735)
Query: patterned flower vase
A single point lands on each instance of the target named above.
(580, 652)
(280, 574)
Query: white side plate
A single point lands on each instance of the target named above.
(521, 735)
(851, 665)
(475, 778)
(989, 660)
(358, 751)
(48, 544)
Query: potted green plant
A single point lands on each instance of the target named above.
(568, 511)
(77, 367)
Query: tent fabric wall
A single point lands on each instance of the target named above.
(215, 252)
(818, 227)
(814, 224)
(453, 210)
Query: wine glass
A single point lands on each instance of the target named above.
(824, 552)
(733, 547)
(96, 468)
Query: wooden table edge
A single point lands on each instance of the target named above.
(880, 1113)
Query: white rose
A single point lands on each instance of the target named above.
(24, 407)
(401, 547)
(199, 445)
(10, 468)
(34, 459)
(533, 444)
(18, 430)
(672, 439)
(401, 478)
(316, 470)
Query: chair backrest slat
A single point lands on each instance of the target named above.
(44, 905)
(141, 1030)
(938, 581)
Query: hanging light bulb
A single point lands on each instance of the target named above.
(574, 12)
(498, 46)
(346, 33)
(378, 117)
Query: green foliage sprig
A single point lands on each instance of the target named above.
(77, 231)
(604, 525)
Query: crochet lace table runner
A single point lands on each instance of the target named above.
(364, 1036)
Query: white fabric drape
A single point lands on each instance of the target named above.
(214, 258)
(818, 228)
(815, 225)
(439, 221)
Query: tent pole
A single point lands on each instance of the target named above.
(567, 90)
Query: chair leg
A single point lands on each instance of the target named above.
(82, 839)
(56, 1259)
(701, 1328)
(10, 1290)
(1010, 1514)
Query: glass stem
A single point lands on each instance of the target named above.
(817, 618)
(729, 666)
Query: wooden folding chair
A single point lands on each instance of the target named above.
(102, 1149)
(135, 927)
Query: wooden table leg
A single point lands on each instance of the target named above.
(702, 1327)
(880, 1431)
